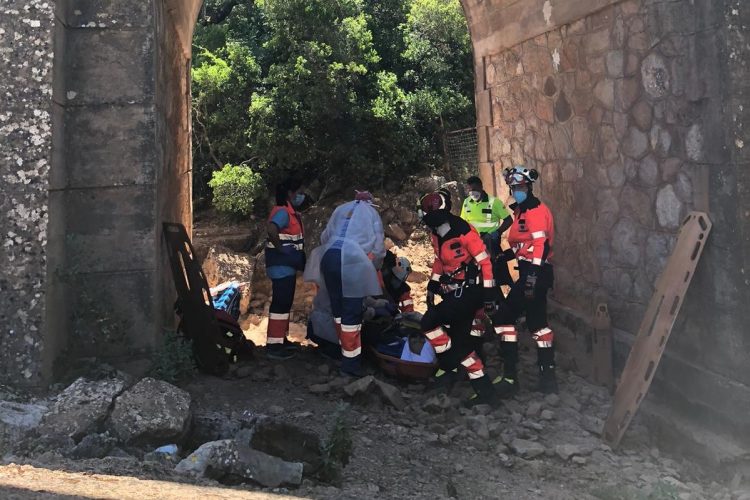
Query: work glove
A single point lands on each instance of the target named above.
(430, 299)
(489, 300)
(530, 285)
(508, 254)
(434, 287)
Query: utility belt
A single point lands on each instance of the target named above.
(456, 286)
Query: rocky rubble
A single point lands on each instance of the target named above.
(151, 413)
(406, 438)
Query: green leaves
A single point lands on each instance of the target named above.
(236, 188)
(333, 89)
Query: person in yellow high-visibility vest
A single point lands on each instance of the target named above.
(491, 219)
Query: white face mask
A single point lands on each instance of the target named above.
(475, 195)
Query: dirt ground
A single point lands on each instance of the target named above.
(532, 447)
(420, 452)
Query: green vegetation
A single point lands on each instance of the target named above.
(236, 189)
(173, 359)
(337, 448)
(327, 89)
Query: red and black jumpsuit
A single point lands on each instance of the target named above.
(531, 236)
(462, 270)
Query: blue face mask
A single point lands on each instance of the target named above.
(520, 196)
(298, 200)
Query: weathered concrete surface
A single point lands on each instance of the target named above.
(25, 139)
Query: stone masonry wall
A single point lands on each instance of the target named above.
(626, 114)
(25, 148)
(602, 118)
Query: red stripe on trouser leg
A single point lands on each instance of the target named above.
(337, 324)
(544, 337)
(278, 327)
(473, 365)
(438, 339)
(477, 326)
(351, 341)
(507, 333)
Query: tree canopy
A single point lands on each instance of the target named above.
(328, 89)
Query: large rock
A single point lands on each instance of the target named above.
(16, 419)
(152, 413)
(94, 446)
(288, 442)
(82, 407)
(217, 425)
(393, 230)
(527, 449)
(369, 385)
(228, 461)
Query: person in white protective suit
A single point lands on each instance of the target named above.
(346, 263)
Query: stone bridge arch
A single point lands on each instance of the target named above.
(632, 110)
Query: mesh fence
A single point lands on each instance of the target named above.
(461, 148)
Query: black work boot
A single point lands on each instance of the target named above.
(507, 385)
(547, 380)
(546, 362)
(278, 352)
(445, 380)
(485, 393)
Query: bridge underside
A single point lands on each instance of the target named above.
(631, 110)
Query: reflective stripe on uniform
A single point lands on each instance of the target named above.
(481, 256)
(536, 262)
(488, 283)
(538, 234)
(278, 316)
(484, 225)
(507, 333)
(442, 348)
(544, 337)
(433, 334)
(351, 354)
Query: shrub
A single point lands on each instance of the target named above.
(236, 189)
(173, 359)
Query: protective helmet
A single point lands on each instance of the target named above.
(402, 268)
(520, 175)
(433, 208)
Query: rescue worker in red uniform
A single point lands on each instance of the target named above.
(531, 236)
(462, 276)
(285, 256)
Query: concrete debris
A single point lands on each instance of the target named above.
(94, 446)
(152, 413)
(16, 419)
(228, 461)
(217, 425)
(81, 407)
